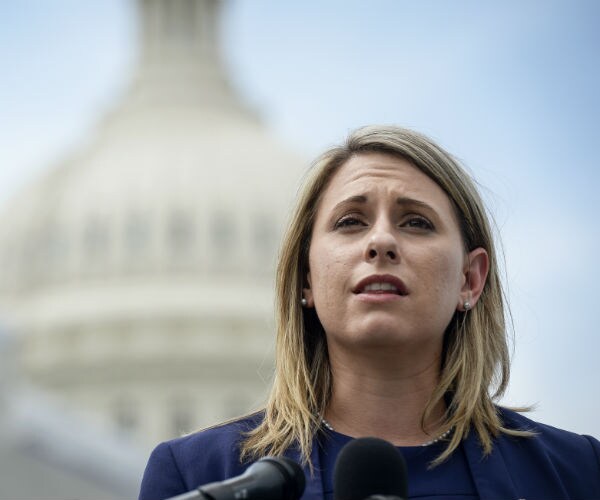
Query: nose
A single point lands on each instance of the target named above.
(382, 245)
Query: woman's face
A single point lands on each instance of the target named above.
(387, 264)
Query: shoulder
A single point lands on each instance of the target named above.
(549, 436)
(573, 458)
(183, 464)
(216, 446)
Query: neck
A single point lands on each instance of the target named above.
(373, 398)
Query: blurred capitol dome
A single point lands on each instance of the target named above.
(138, 273)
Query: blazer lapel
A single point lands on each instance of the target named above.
(490, 474)
(314, 483)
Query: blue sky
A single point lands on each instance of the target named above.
(509, 87)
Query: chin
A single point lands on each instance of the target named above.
(381, 337)
(389, 335)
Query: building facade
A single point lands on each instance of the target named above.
(138, 273)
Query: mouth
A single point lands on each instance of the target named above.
(381, 284)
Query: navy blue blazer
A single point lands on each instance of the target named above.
(555, 464)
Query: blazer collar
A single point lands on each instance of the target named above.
(490, 473)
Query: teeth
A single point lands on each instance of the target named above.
(374, 287)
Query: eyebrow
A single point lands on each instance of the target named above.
(401, 200)
(405, 201)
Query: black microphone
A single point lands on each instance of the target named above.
(370, 468)
(271, 478)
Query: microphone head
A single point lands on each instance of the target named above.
(369, 466)
(294, 479)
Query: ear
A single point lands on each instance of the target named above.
(307, 292)
(476, 270)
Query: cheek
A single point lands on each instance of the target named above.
(330, 271)
(445, 276)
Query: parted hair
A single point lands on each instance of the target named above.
(475, 363)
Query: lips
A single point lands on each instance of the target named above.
(380, 284)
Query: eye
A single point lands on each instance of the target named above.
(348, 221)
(417, 222)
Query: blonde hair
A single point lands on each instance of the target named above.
(475, 367)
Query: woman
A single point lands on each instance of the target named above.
(390, 323)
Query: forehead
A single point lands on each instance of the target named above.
(377, 173)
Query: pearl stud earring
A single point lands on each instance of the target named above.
(304, 302)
